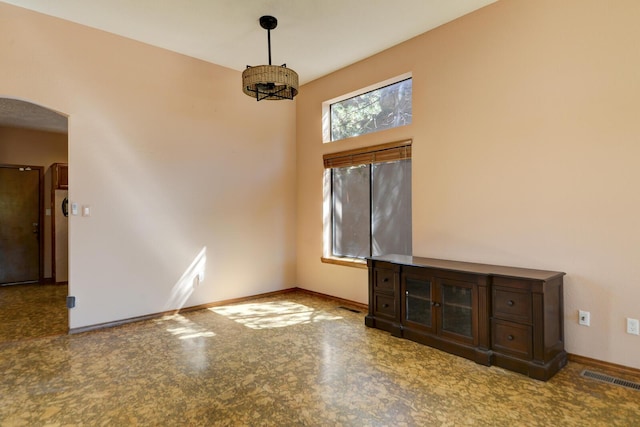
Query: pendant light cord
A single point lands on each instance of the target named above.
(269, 44)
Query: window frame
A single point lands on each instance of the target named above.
(326, 106)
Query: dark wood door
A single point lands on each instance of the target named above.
(19, 224)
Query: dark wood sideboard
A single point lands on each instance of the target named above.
(494, 315)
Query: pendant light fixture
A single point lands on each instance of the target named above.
(270, 82)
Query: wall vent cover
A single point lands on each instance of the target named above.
(609, 379)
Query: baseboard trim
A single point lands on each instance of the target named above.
(362, 307)
(152, 316)
(595, 363)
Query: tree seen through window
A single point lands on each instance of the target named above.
(379, 109)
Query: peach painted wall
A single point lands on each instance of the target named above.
(36, 148)
(526, 139)
(191, 184)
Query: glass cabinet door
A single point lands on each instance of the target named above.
(418, 300)
(457, 309)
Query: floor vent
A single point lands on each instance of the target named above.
(353, 310)
(609, 379)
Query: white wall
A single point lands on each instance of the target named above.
(171, 157)
(525, 146)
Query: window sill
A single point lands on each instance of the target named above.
(348, 262)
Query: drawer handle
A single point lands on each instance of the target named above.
(385, 305)
(510, 337)
(435, 304)
(510, 303)
(386, 279)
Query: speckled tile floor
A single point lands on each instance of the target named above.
(288, 360)
(32, 311)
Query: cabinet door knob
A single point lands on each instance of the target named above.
(510, 303)
(385, 305)
(436, 304)
(510, 337)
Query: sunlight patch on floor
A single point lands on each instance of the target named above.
(276, 314)
(184, 328)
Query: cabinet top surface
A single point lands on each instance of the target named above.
(470, 267)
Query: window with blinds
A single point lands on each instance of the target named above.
(370, 200)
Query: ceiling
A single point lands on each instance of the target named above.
(22, 114)
(313, 37)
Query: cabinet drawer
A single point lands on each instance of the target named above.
(384, 305)
(512, 304)
(384, 280)
(512, 338)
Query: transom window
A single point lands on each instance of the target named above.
(379, 109)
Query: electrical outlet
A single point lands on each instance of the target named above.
(584, 318)
(633, 327)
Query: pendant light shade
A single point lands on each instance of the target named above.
(270, 82)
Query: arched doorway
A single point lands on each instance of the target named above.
(32, 139)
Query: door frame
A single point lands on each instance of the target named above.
(55, 185)
(41, 215)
